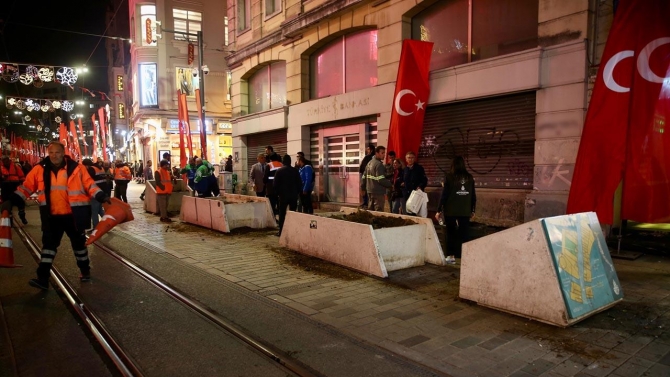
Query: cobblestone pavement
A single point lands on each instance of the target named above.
(417, 313)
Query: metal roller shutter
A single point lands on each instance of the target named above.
(495, 136)
(256, 144)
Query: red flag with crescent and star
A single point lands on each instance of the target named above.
(410, 98)
(624, 134)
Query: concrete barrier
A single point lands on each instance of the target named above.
(555, 270)
(227, 212)
(433, 251)
(180, 189)
(357, 246)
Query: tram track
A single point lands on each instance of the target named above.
(121, 360)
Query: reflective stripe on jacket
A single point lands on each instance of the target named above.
(13, 174)
(122, 173)
(274, 166)
(166, 181)
(65, 192)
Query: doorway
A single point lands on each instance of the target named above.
(341, 166)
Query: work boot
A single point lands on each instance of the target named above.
(22, 216)
(39, 283)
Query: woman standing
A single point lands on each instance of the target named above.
(397, 198)
(457, 205)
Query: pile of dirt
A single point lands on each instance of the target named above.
(377, 222)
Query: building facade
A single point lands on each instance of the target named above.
(509, 86)
(164, 60)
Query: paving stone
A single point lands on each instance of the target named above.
(568, 368)
(466, 342)
(387, 314)
(658, 370)
(414, 340)
(509, 366)
(343, 312)
(407, 316)
(538, 367)
(493, 343)
(665, 360)
(633, 368)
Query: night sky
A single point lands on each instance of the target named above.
(25, 38)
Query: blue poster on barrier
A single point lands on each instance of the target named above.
(584, 267)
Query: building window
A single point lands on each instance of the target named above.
(243, 15)
(345, 65)
(267, 88)
(186, 21)
(458, 41)
(186, 81)
(119, 83)
(148, 24)
(148, 87)
(272, 7)
(122, 111)
(225, 31)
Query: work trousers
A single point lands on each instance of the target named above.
(457, 232)
(284, 205)
(162, 200)
(375, 202)
(120, 189)
(52, 234)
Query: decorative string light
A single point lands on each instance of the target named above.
(29, 74)
(33, 104)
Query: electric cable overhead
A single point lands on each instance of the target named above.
(105, 32)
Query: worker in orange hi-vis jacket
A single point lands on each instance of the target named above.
(64, 188)
(11, 175)
(122, 177)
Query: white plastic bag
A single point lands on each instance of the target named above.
(417, 203)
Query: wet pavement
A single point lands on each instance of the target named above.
(416, 313)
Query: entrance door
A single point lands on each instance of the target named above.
(342, 160)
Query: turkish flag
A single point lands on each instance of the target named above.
(95, 138)
(410, 98)
(624, 133)
(75, 140)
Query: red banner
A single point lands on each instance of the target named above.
(624, 136)
(187, 126)
(83, 138)
(203, 128)
(95, 138)
(103, 133)
(75, 140)
(410, 98)
(183, 124)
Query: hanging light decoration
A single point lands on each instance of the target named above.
(58, 119)
(44, 108)
(21, 104)
(46, 74)
(27, 118)
(66, 76)
(46, 129)
(67, 106)
(56, 104)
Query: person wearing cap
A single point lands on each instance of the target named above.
(12, 175)
(163, 189)
(64, 190)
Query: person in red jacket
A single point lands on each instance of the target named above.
(64, 190)
(12, 175)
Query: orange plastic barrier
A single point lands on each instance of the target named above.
(6, 247)
(116, 213)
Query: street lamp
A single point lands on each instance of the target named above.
(201, 82)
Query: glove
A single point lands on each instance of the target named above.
(101, 197)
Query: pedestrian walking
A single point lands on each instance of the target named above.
(163, 190)
(369, 154)
(11, 176)
(457, 206)
(64, 189)
(122, 177)
(100, 180)
(414, 176)
(288, 185)
(148, 176)
(268, 178)
(397, 197)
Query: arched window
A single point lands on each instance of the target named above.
(267, 88)
(349, 63)
(496, 27)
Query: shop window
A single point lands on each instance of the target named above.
(346, 64)
(267, 88)
(186, 21)
(497, 27)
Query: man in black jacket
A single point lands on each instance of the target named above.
(369, 153)
(287, 186)
(414, 176)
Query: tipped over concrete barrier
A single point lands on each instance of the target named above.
(555, 270)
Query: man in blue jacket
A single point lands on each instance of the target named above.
(307, 177)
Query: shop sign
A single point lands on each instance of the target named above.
(173, 126)
(164, 142)
(225, 126)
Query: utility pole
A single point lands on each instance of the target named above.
(201, 84)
